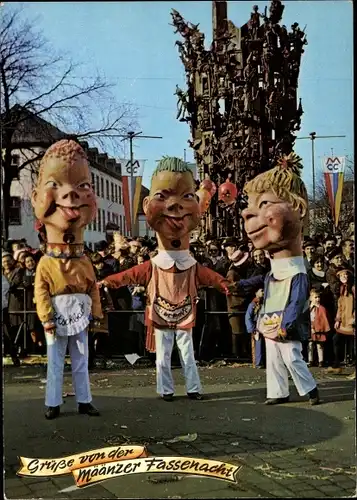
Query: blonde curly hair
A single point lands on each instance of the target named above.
(284, 181)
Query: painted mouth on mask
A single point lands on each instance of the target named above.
(69, 213)
(175, 222)
(257, 230)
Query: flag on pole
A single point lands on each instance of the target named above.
(334, 170)
(131, 194)
(126, 202)
(137, 193)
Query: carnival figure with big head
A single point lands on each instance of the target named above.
(173, 209)
(273, 220)
(66, 295)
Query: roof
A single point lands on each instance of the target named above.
(33, 130)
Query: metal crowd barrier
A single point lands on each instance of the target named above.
(24, 330)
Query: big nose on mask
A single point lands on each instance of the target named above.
(69, 194)
(173, 205)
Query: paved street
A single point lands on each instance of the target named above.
(292, 450)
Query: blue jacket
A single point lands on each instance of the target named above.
(251, 318)
(296, 317)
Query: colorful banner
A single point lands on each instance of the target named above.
(126, 202)
(100, 465)
(334, 170)
(132, 191)
(138, 182)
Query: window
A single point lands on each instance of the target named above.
(107, 189)
(15, 211)
(108, 216)
(99, 220)
(102, 187)
(89, 226)
(103, 215)
(112, 191)
(94, 224)
(116, 193)
(93, 182)
(97, 190)
(121, 223)
(119, 195)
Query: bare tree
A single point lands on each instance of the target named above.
(323, 221)
(37, 82)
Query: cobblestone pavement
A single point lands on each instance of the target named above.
(291, 450)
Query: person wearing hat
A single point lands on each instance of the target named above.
(102, 247)
(229, 246)
(335, 259)
(345, 317)
(237, 302)
(329, 244)
(309, 248)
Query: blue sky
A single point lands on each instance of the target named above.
(132, 44)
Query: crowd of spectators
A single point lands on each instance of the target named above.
(225, 326)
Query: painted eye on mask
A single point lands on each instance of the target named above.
(159, 196)
(85, 185)
(51, 184)
(264, 203)
(190, 196)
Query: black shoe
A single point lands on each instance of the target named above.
(277, 401)
(314, 397)
(15, 361)
(88, 409)
(52, 412)
(195, 395)
(168, 397)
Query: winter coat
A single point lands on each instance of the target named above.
(319, 324)
(237, 302)
(346, 312)
(16, 295)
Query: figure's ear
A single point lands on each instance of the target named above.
(303, 210)
(146, 202)
(33, 198)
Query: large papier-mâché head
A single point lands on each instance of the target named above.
(63, 199)
(172, 208)
(277, 206)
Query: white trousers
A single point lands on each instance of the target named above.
(281, 357)
(320, 351)
(56, 352)
(164, 341)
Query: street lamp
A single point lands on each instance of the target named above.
(131, 136)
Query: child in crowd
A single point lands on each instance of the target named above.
(319, 327)
(345, 317)
(251, 318)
